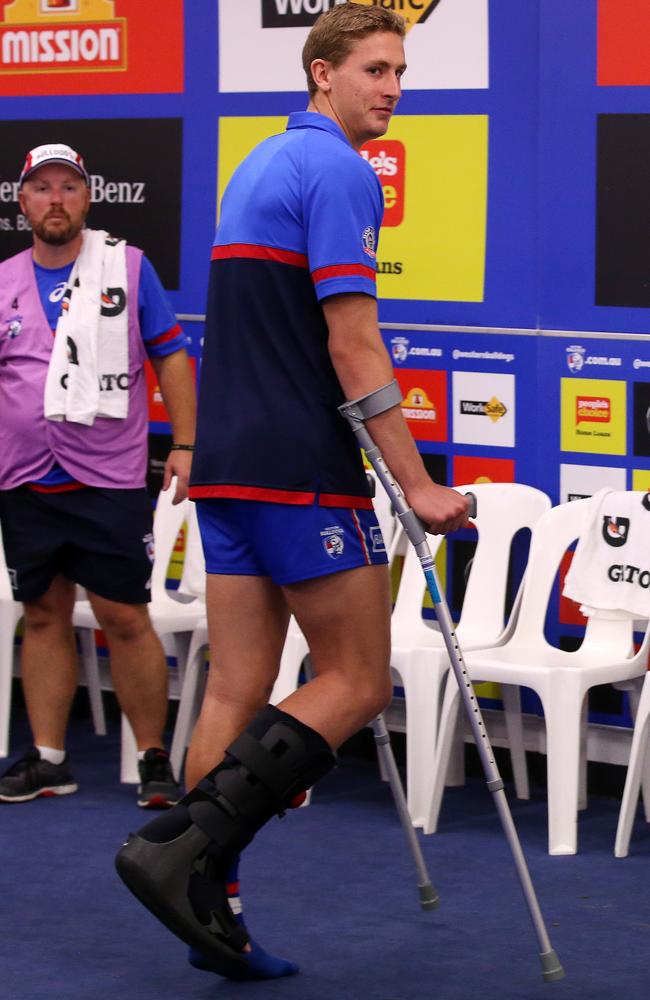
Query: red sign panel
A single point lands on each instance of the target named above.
(90, 47)
(387, 157)
(623, 43)
(470, 469)
(425, 403)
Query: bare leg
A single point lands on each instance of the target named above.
(247, 622)
(138, 667)
(345, 618)
(49, 663)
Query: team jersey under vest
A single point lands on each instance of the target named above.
(103, 455)
(299, 222)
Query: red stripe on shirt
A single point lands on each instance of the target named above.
(162, 338)
(343, 271)
(61, 488)
(230, 492)
(256, 252)
(344, 500)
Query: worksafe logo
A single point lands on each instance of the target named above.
(493, 408)
(61, 36)
(593, 415)
(484, 408)
(387, 157)
(303, 13)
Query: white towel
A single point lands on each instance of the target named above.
(611, 566)
(88, 372)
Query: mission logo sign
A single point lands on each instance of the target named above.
(90, 46)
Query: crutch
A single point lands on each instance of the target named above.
(357, 411)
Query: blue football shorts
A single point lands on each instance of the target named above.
(287, 542)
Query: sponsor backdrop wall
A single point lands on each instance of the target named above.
(513, 262)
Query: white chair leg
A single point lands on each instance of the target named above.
(562, 710)
(422, 692)
(634, 689)
(93, 683)
(446, 730)
(515, 729)
(638, 757)
(7, 631)
(129, 774)
(182, 642)
(187, 705)
(582, 775)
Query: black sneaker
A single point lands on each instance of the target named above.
(158, 788)
(31, 776)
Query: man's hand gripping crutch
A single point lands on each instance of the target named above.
(416, 519)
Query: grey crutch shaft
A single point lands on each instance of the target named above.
(356, 412)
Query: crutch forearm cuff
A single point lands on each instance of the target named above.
(373, 403)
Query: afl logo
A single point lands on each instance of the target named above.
(615, 530)
(369, 240)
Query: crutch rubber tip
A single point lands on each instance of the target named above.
(551, 968)
(429, 898)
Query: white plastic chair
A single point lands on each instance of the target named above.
(561, 679)
(10, 614)
(169, 617)
(418, 655)
(637, 765)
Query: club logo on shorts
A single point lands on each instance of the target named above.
(149, 546)
(333, 541)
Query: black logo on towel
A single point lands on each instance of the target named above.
(645, 501)
(73, 354)
(113, 301)
(615, 530)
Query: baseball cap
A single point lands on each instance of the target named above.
(53, 153)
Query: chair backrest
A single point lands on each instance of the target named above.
(503, 509)
(167, 523)
(193, 577)
(553, 534)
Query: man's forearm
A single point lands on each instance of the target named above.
(176, 382)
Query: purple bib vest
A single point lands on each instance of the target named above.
(111, 453)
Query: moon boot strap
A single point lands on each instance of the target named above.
(258, 779)
(264, 770)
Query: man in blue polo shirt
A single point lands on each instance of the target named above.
(284, 508)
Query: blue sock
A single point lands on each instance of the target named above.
(260, 964)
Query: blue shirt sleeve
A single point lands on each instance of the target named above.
(160, 332)
(342, 210)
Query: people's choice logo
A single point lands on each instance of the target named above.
(387, 157)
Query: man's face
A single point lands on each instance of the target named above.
(55, 201)
(365, 87)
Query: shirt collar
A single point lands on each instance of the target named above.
(312, 119)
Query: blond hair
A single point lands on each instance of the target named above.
(335, 33)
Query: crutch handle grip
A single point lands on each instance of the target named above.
(472, 504)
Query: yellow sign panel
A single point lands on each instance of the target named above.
(641, 480)
(593, 416)
(437, 248)
(28, 11)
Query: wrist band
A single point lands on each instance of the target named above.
(182, 447)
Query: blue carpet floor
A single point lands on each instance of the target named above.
(332, 887)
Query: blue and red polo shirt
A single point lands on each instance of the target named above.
(299, 222)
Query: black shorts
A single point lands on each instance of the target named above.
(100, 538)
